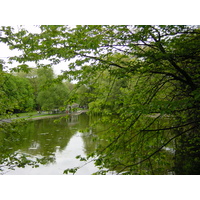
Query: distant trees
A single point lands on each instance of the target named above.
(53, 97)
(52, 94)
(37, 89)
(48, 93)
(32, 77)
(16, 94)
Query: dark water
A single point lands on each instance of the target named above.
(59, 142)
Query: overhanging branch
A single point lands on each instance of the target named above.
(152, 154)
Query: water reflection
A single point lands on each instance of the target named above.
(60, 142)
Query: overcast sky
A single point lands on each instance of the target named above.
(5, 53)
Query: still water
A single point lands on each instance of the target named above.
(60, 142)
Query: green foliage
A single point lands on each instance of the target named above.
(52, 94)
(49, 92)
(71, 170)
(16, 94)
(53, 97)
(144, 80)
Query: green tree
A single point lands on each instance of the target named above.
(48, 93)
(16, 94)
(52, 94)
(160, 105)
(53, 97)
(32, 76)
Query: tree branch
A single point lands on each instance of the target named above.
(188, 80)
(169, 128)
(101, 60)
(152, 154)
(170, 74)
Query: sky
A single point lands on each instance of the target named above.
(6, 52)
(86, 12)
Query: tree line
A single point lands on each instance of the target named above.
(33, 90)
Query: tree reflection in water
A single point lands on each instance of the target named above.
(57, 143)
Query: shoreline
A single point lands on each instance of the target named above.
(61, 115)
(44, 117)
(32, 118)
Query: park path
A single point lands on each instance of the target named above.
(32, 117)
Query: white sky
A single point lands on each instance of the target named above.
(86, 12)
(6, 52)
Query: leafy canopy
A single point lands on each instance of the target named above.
(144, 80)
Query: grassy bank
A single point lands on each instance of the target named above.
(36, 116)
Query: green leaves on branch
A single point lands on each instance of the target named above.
(143, 80)
(71, 170)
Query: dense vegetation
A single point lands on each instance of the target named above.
(34, 90)
(144, 81)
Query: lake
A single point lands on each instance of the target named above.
(56, 145)
(58, 142)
